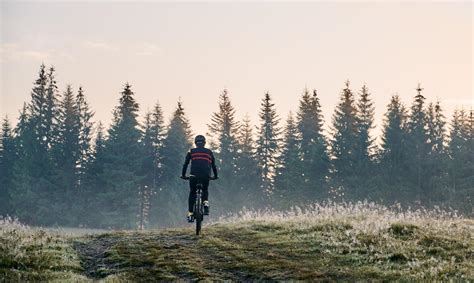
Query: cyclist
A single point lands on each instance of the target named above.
(202, 160)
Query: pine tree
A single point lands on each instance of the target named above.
(436, 161)
(393, 151)
(418, 146)
(8, 157)
(456, 145)
(461, 160)
(268, 143)
(38, 129)
(223, 131)
(66, 155)
(439, 133)
(95, 182)
(52, 111)
(365, 123)
(152, 163)
(153, 136)
(173, 196)
(345, 141)
(34, 172)
(85, 135)
(247, 170)
(67, 147)
(289, 188)
(313, 153)
(122, 160)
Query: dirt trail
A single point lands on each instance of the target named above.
(93, 256)
(98, 262)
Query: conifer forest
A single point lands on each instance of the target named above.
(60, 167)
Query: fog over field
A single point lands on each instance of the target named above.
(338, 139)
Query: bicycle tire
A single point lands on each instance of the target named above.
(198, 215)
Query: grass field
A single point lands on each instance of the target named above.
(321, 242)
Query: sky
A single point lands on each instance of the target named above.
(192, 51)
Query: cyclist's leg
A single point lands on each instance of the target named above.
(205, 196)
(205, 190)
(192, 194)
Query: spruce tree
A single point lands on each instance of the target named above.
(153, 135)
(436, 161)
(223, 131)
(34, 173)
(461, 162)
(85, 135)
(289, 187)
(173, 196)
(418, 146)
(313, 153)
(122, 161)
(67, 148)
(345, 140)
(95, 181)
(66, 154)
(52, 112)
(268, 143)
(38, 132)
(8, 157)
(456, 146)
(365, 123)
(393, 147)
(247, 170)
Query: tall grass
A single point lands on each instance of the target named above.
(34, 254)
(364, 216)
(421, 243)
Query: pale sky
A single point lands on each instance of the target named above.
(193, 51)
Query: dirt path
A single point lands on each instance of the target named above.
(92, 254)
(109, 254)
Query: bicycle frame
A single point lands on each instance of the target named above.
(198, 209)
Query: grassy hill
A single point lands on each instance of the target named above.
(332, 242)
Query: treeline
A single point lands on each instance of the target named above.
(59, 168)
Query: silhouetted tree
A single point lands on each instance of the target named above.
(417, 145)
(365, 123)
(268, 143)
(247, 175)
(289, 175)
(153, 136)
(313, 147)
(173, 197)
(223, 131)
(85, 135)
(345, 140)
(122, 163)
(8, 157)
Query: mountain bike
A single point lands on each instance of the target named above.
(198, 209)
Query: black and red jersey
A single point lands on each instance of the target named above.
(202, 161)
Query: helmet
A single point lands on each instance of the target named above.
(200, 140)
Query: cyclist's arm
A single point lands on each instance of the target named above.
(213, 164)
(186, 163)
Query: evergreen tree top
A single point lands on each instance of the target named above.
(246, 131)
(128, 107)
(223, 122)
(268, 113)
(6, 128)
(179, 122)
